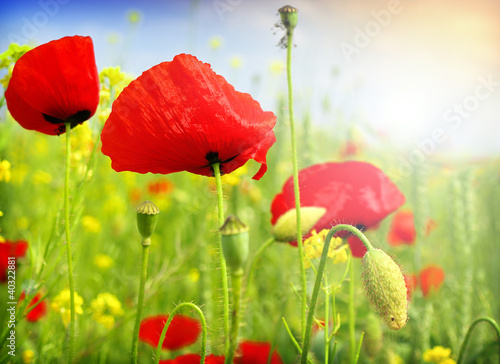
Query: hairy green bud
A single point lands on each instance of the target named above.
(147, 216)
(385, 286)
(235, 242)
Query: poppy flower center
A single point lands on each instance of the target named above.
(74, 119)
(213, 157)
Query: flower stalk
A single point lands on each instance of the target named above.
(72, 323)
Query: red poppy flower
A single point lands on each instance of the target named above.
(252, 352)
(183, 331)
(160, 187)
(54, 83)
(430, 279)
(411, 283)
(402, 229)
(355, 193)
(10, 249)
(181, 116)
(39, 311)
(194, 359)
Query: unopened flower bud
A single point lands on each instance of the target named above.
(385, 286)
(235, 244)
(285, 229)
(289, 16)
(147, 216)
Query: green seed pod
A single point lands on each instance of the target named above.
(385, 286)
(289, 16)
(147, 216)
(285, 229)
(235, 244)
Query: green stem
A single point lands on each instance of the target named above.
(68, 246)
(255, 258)
(352, 313)
(319, 275)
(358, 350)
(223, 270)
(296, 189)
(327, 318)
(171, 317)
(144, 273)
(236, 280)
(489, 320)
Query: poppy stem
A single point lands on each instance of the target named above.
(144, 273)
(71, 346)
(167, 324)
(223, 270)
(235, 325)
(296, 189)
(489, 320)
(319, 277)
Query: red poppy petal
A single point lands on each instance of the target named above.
(402, 229)
(430, 279)
(9, 249)
(355, 193)
(178, 114)
(358, 249)
(58, 79)
(411, 283)
(183, 331)
(252, 352)
(39, 311)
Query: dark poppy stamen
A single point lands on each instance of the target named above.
(212, 157)
(74, 120)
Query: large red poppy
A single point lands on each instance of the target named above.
(194, 359)
(183, 331)
(39, 311)
(10, 249)
(355, 193)
(253, 352)
(430, 279)
(402, 229)
(182, 116)
(54, 83)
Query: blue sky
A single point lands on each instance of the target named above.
(404, 70)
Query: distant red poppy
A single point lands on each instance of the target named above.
(194, 359)
(183, 331)
(160, 187)
(349, 149)
(431, 278)
(182, 116)
(253, 352)
(411, 283)
(402, 229)
(355, 193)
(10, 249)
(39, 311)
(54, 83)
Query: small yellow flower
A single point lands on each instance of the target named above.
(1, 213)
(105, 308)
(41, 178)
(194, 275)
(134, 16)
(103, 261)
(5, 171)
(236, 62)
(437, 354)
(215, 42)
(448, 361)
(91, 224)
(313, 247)
(277, 67)
(28, 356)
(61, 304)
(233, 178)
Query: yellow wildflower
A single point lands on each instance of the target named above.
(91, 224)
(215, 42)
(277, 67)
(233, 178)
(236, 62)
(437, 354)
(114, 75)
(103, 261)
(1, 213)
(82, 142)
(194, 275)
(28, 356)
(105, 308)
(61, 304)
(313, 247)
(134, 17)
(448, 361)
(41, 178)
(5, 171)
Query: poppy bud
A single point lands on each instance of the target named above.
(147, 216)
(289, 16)
(385, 286)
(235, 243)
(285, 229)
